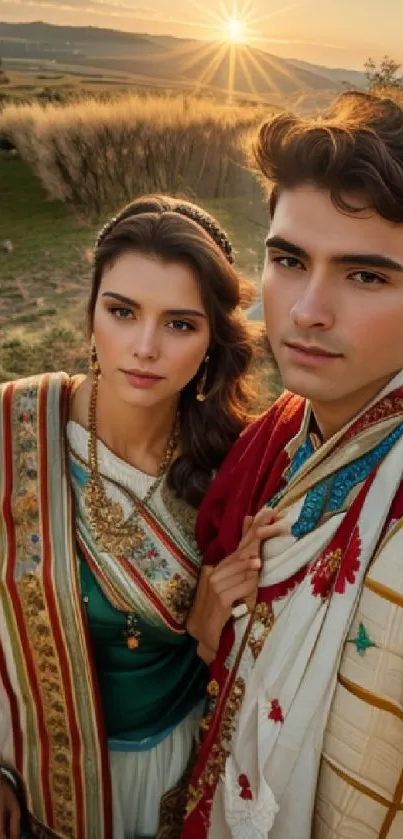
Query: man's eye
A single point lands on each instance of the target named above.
(368, 278)
(288, 261)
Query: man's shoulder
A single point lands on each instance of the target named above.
(282, 411)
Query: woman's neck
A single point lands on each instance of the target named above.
(138, 435)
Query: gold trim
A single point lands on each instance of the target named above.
(370, 698)
(390, 816)
(357, 785)
(384, 591)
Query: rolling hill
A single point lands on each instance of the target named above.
(164, 60)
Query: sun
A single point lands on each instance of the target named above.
(235, 30)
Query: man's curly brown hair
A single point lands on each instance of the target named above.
(354, 148)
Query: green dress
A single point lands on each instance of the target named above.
(153, 692)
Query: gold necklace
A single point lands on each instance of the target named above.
(112, 532)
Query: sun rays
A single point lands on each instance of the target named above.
(234, 58)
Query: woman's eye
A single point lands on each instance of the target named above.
(121, 313)
(180, 326)
(367, 278)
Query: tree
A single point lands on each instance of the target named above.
(385, 75)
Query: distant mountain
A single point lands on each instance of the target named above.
(356, 78)
(166, 60)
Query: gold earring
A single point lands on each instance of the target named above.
(94, 363)
(201, 384)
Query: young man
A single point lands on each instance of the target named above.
(304, 736)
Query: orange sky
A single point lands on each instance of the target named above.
(333, 32)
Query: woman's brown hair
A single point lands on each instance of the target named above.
(355, 148)
(176, 231)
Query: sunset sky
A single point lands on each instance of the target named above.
(339, 33)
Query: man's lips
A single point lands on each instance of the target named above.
(309, 351)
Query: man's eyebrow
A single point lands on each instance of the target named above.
(368, 260)
(112, 295)
(278, 243)
(364, 260)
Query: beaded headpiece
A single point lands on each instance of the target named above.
(202, 219)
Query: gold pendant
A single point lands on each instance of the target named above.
(112, 533)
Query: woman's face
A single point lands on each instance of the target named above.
(151, 329)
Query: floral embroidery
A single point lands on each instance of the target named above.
(362, 641)
(178, 596)
(350, 564)
(324, 572)
(263, 619)
(245, 791)
(276, 713)
(148, 560)
(25, 502)
(213, 689)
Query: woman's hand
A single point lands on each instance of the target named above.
(234, 580)
(10, 811)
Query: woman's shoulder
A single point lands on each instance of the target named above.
(33, 384)
(24, 396)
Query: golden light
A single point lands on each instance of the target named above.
(235, 31)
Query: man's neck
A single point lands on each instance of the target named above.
(333, 415)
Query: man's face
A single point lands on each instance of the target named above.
(333, 300)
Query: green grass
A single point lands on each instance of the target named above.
(45, 280)
(49, 261)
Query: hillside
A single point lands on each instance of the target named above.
(159, 59)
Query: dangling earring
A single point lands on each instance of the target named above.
(94, 363)
(201, 384)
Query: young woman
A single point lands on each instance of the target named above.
(101, 686)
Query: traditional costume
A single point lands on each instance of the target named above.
(100, 685)
(304, 736)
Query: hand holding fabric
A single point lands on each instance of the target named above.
(233, 580)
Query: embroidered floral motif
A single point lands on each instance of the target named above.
(350, 564)
(49, 681)
(213, 689)
(245, 791)
(362, 641)
(263, 619)
(232, 709)
(276, 713)
(25, 498)
(324, 572)
(178, 596)
(195, 794)
(148, 560)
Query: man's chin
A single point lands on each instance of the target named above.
(314, 391)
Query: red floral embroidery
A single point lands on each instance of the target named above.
(350, 564)
(337, 567)
(324, 573)
(245, 791)
(275, 712)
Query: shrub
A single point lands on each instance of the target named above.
(97, 155)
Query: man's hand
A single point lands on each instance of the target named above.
(233, 580)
